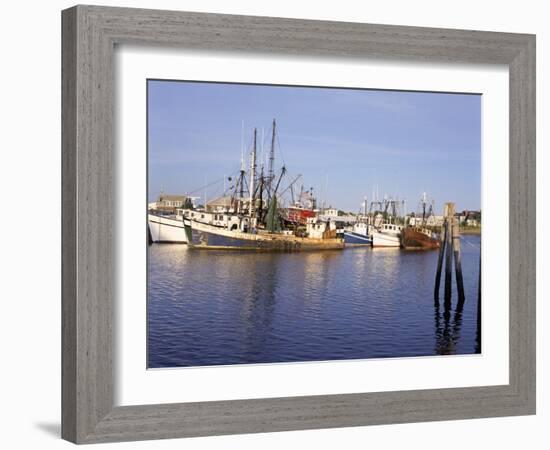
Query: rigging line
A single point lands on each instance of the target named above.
(220, 180)
(292, 174)
(280, 149)
(234, 181)
(266, 141)
(245, 183)
(469, 243)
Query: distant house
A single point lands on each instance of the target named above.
(430, 221)
(168, 202)
(461, 217)
(219, 204)
(473, 219)
(330, 212)
(413, 221)
(434, 221)
(470, 218)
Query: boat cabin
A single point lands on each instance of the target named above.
(232, 222)
(391, 228)
(319, 229)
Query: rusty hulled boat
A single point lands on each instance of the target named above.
(417, 236)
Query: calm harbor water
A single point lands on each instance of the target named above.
(215, 307)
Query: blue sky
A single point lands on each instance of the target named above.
(344, 142)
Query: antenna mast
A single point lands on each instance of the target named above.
(252, 175)
(242, 146)
(270, 173)
(240, 182)
(424, 201)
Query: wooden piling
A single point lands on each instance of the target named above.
(450, 248)
(458, 263)
(449, 216)
(442, 242)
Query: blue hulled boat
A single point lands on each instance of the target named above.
(359, 234)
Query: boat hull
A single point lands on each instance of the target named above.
(380, 239)
(412, 239)
(206, 236)
(351, 238)
(166, 229)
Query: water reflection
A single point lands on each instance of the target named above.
(447, 330)
(448, 325)
(207, 307)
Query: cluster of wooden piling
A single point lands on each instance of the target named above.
(449, 249)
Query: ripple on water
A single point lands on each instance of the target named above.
(207, 308)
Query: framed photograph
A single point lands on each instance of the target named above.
(277, 224)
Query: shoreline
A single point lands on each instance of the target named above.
(470, 230)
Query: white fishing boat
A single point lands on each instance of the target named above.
(386, 222)
(166, 228)
(387, 235)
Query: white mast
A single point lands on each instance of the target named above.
(252, 175)
(326, 186)
(241, 175)
(242, 146)
(205, 185)
(424, 201)
(262, 149)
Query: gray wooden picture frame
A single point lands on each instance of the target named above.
(89, 36)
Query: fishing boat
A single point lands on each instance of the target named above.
(301, 209)
(386, 231)
(320, 236)
(417, 236)
(387, 235)
(255, 221)
(166, 228)
(360, 233)
(165, 218)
